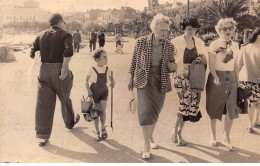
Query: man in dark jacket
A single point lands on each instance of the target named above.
(77, 40)
(92, 40)
(101, 39)
(55, 78)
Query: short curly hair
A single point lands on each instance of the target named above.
(224, 21)
(254, 35)
(97, 53)
(157, 19)
(189, 21)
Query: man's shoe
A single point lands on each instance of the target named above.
(76, 120)
(42, 141)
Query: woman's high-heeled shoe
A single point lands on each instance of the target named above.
(174, 138)
(256, 124)
(250, 129)
(153, 145)
(227, 145)
(146, 155)
(213, 142)
(181, 140)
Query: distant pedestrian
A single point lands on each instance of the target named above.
(101, 39)
(55, 77)
(249, 77)
(221, 88)
(96, 84)
(76, 40)
(152, 63)
(92, 40)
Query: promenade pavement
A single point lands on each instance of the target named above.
(18, 85)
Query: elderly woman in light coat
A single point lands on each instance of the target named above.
(152, 62)
(221, 88)
(188, 48)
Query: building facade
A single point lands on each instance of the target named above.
(29, 12)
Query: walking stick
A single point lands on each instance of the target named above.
(111, 123)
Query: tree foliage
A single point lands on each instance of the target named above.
(237, 9)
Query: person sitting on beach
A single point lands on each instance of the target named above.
(96, 84)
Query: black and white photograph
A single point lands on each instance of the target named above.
(129, 81)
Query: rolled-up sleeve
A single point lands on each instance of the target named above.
(68, 51)
(239, 62)
(35, 47)
(133, 63)
(172, 53)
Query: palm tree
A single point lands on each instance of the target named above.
(236, 9)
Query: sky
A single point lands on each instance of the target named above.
(84, 5)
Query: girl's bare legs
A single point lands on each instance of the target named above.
(97, 134)
(96, 122)
(103, 104)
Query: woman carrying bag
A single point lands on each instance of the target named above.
(190, 56)
(152, 62)
(221, 88)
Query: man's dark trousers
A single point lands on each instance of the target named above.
(49, 86)
(92, 43)
(76, 47)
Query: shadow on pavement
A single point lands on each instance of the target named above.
(237, 156)
(189, 158)
(119, 153)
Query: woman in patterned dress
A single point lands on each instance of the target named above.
(249, 76)
(152, 61)
(189, 48)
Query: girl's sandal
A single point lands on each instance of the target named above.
(97, 136)
(104, 133)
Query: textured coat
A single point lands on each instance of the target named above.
(141, 62)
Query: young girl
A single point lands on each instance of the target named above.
(96, 84)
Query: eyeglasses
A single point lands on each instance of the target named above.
(227, 28)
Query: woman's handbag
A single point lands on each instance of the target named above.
(197, 75)
(242, 103)
(132, 104)
(86, 104)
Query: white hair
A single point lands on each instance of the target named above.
(157, 19)
(224, 21)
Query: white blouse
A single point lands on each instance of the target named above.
(220, 56)
(180, 45)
